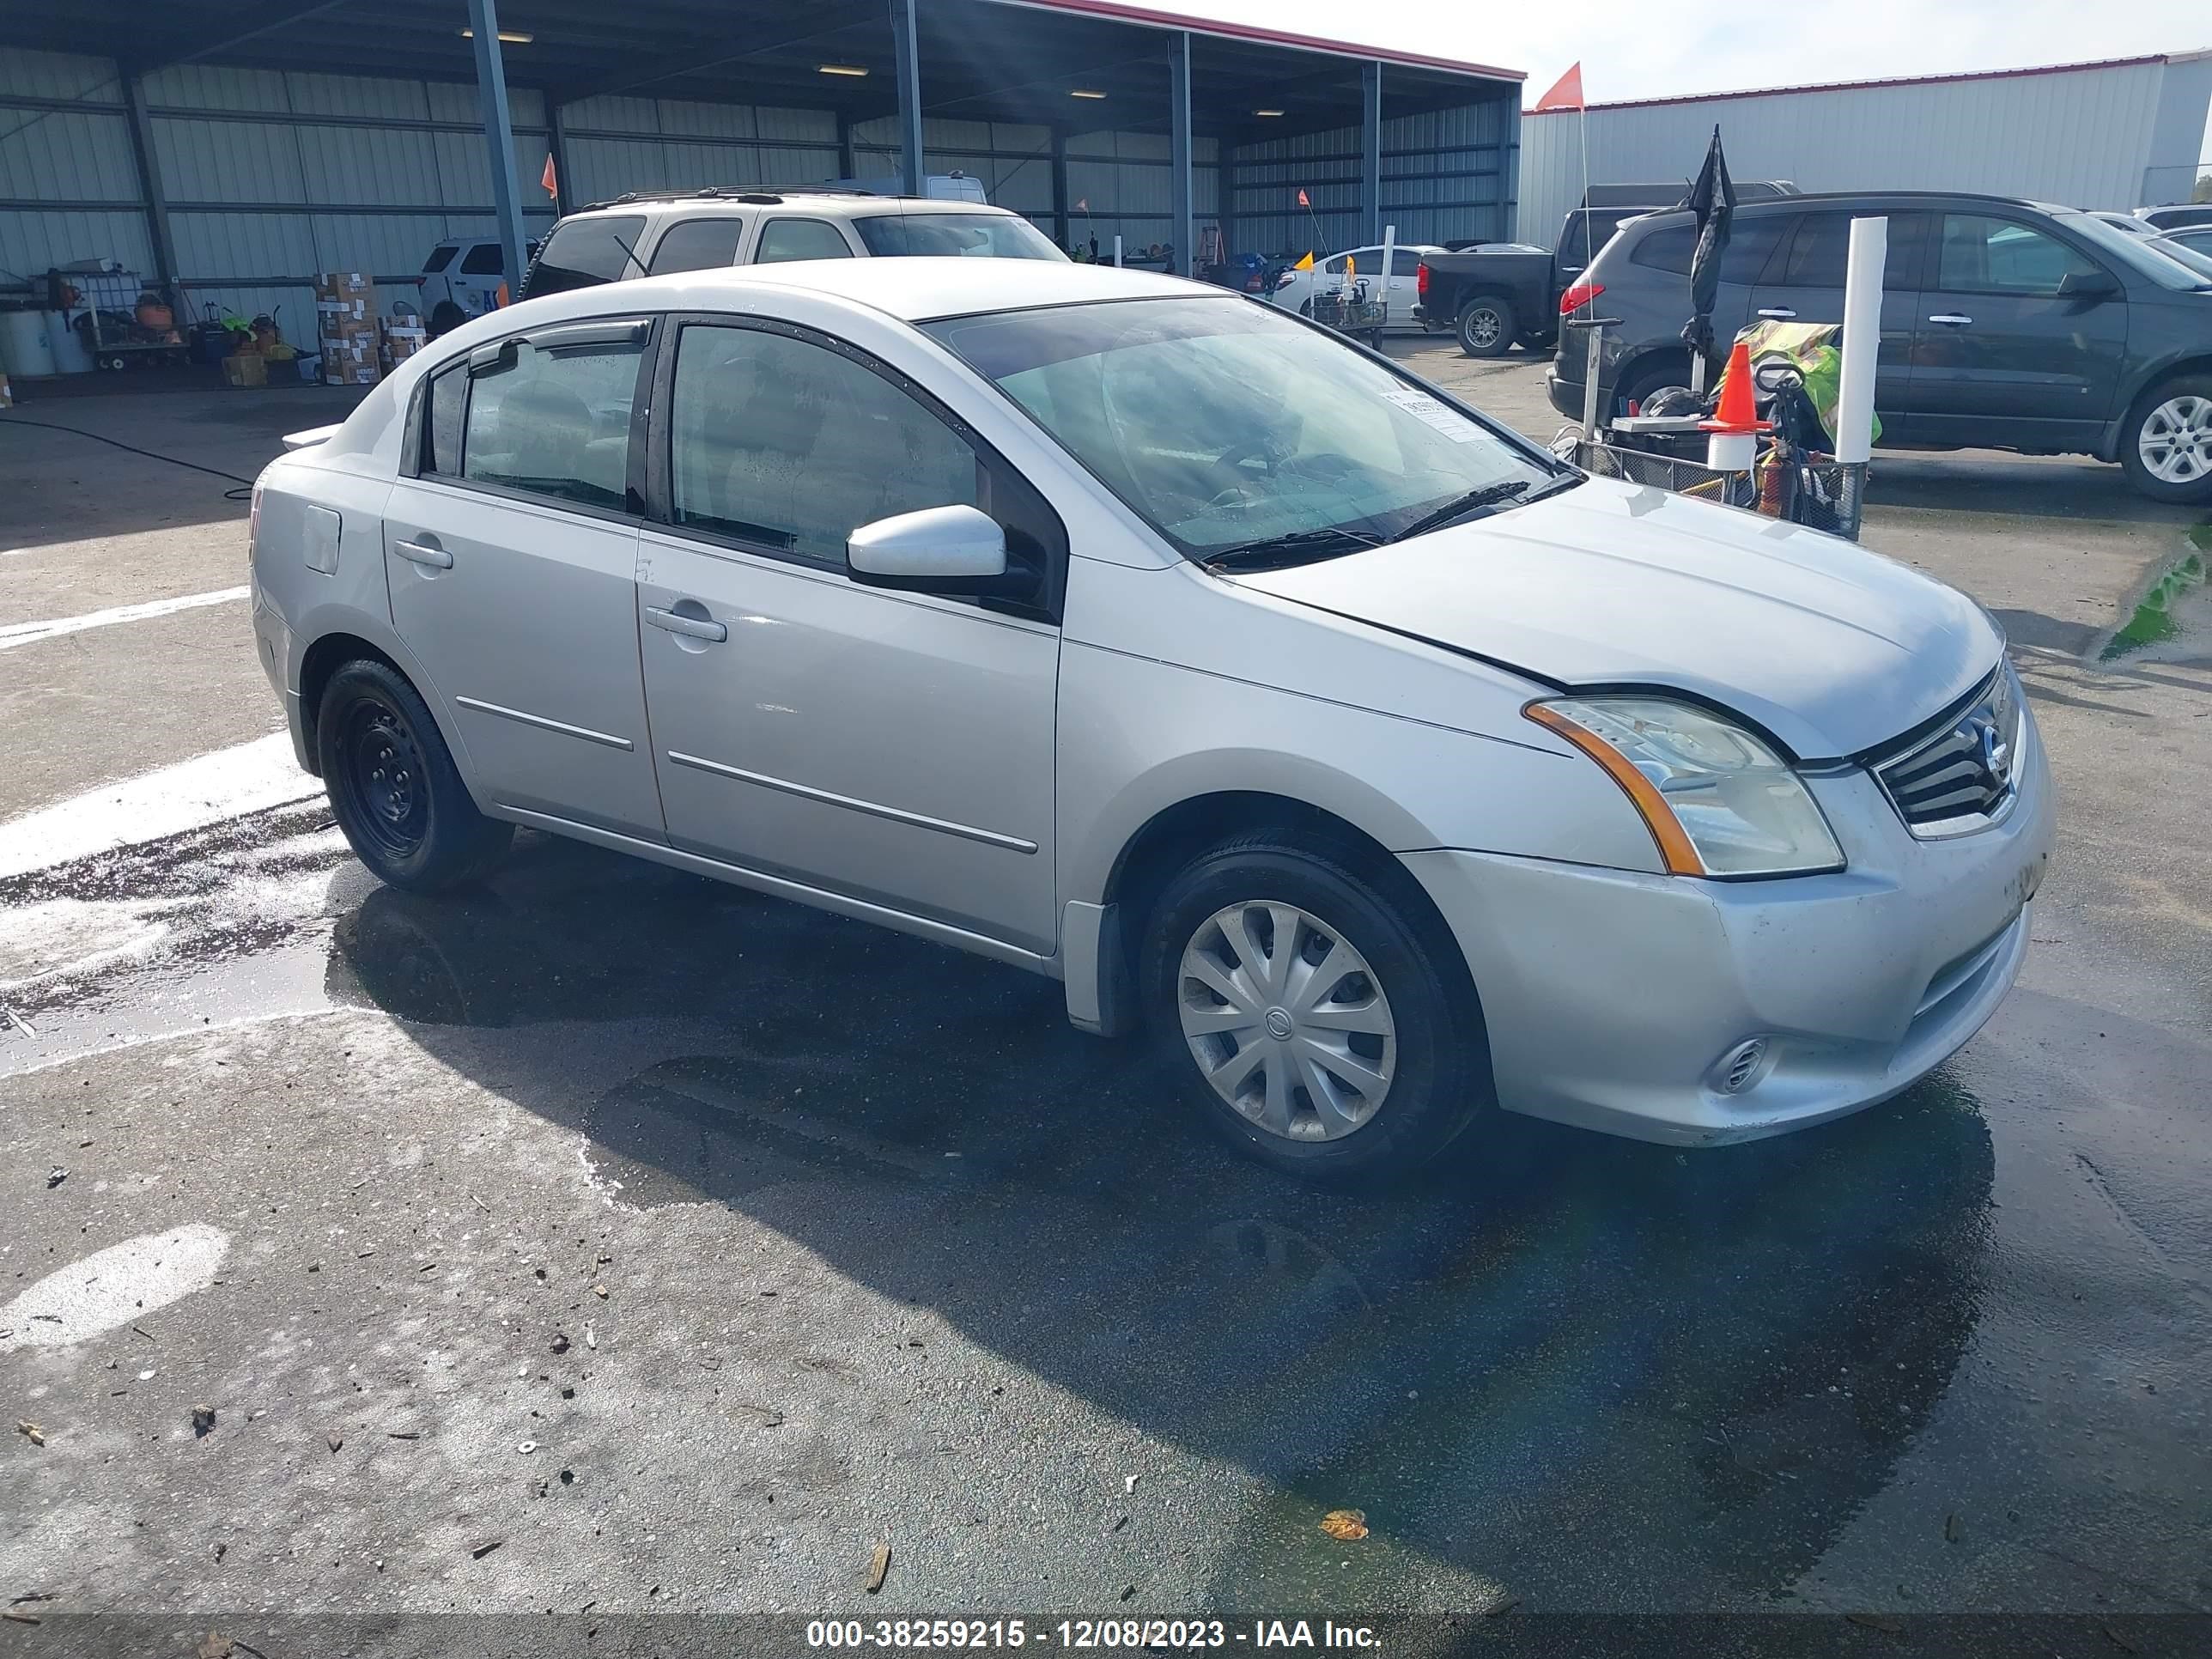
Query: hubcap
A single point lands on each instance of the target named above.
(1482, 327)
(385, 767)
(2176, 441)
(1287, 1021)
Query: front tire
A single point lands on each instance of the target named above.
(1317, 1024)
(393, 786)
(2166, 447)
(1486, 326)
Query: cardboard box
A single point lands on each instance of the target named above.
(246, 369)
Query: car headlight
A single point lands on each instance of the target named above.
(1718, 801)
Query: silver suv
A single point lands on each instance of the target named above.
(648, 233)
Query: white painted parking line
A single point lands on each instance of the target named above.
(248, 777)
(14, 634)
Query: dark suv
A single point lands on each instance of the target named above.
(2006, 323)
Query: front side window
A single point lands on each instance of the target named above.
(699, 245)
(800, 238)
(1223, 423)
(1982, 255)
(485, 259)
(554, 424)
(586, 253)
(951, 235)
(441, 257)
(791, 445)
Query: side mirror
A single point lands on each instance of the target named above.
(2088, 285)
(939, 549)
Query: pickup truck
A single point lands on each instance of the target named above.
(1492, 293)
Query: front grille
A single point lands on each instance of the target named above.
(1961, 776)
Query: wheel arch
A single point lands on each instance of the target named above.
(347, 640)
(2190, 360)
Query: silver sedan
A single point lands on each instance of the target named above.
(1379, 768)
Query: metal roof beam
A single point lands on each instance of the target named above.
(248, 25)
(823, 19)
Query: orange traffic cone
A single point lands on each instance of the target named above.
(1738, 413)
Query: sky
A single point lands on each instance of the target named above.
(1667, 48)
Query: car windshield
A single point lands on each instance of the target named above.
(1225, 424)
(2134, 251)
(984, 235)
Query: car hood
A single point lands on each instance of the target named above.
(1829, 647)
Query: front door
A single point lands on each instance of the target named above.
(893, 747)
(510, 559)
(2001, 356)
(1803, 282)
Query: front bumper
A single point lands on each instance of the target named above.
(1610, 996)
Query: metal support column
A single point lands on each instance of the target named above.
(905, 51)
(849, 163)
(1371, 172)
(499, 138)
(149, 191)
(1184, 226)
(1064, 229)
(557, 145)
(1509, 178)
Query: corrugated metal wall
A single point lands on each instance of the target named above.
(78, 159)
(2083, 137)
(616, 144)
(1446, 174)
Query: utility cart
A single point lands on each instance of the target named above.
(122, 320)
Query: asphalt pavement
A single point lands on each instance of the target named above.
(609, 1241)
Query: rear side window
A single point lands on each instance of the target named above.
(585, 252)
(1670, 249)
(554, 424)
(439, 260)
(698, 245)
(484, 260)
(800, 238)
(1818, 253)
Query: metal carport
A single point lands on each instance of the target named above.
(1090, 116)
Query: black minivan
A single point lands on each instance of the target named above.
(2006, 325)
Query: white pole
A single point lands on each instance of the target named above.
(1117, 252)
(1854, 432)
(1390, 252)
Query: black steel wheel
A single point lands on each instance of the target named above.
(393, 786)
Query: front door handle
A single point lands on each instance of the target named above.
(436, 557)
(1950, 319)
(1777, 313)
(692, 628)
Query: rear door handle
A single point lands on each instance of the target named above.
(1950, 319)
(1778, 313)
(692, 628)
(416, 551)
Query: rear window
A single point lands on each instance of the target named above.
(440, 258)
(484, 260)
(585, 252)
(699, 245)
(989, 235)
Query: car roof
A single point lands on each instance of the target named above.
(817, 199)
(1763, 207)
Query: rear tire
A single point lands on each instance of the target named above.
(446, 316)
(1365, 1076)
(1649, 374)
(2166, 443)
(393, 786)
(1486, 326)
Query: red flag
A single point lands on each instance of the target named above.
(1567, 94)
(1082, 204)
(1302, 198)
(552, 184)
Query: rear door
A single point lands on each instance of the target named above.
(1999, 356)
(1402, 296)
(1803, 282)
(511, 552)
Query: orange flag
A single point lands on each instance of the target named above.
(1567, 92)
(552, 184)
(1302, 198)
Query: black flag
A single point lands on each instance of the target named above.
(1712, 198)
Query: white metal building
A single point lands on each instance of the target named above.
(2123, 134)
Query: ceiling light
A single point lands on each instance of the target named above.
(1267, 111)
(512, 37)
(1080, 92)
(839, 69)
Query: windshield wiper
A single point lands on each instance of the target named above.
(1295, 548)
(1517, 490)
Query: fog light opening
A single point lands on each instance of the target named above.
(1741, 1067)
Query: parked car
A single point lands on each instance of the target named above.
(2133, 225)
(2195, 216)
(2193, 239)
(653, 235)
(461, 279)
(1496, 294)
(1383, 768)
(1298, 288)
(2005, 324)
